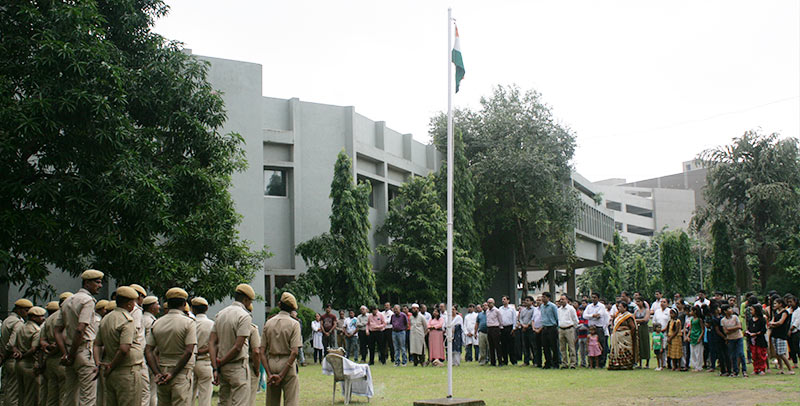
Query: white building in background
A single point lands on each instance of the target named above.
(646, 207)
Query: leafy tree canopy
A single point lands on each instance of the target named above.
(519, 156)
(753, 185)
(111, 155)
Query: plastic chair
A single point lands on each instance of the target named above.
(336, 362)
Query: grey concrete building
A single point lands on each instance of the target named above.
(646, 207)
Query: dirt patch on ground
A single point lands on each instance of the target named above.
(733, 398)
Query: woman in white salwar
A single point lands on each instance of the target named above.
(457, 322)
(316, 338)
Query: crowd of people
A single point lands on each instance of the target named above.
(706, 334)
(135, 350)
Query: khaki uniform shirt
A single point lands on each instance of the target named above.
(170, 335)
(9, 324)
(116, 329)
(78, 308)
(49, 331)
(281, 334)
(147, 320)
(138, 321)
(94, 327)
(204, 327)
(22, 337)
(232, 322)
(254, 341)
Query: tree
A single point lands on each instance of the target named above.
(754, 187)
(111, 155)
(676, 261)
(416, 255)
(339, 268)
(519, 157)
(470, 278)
(722, 276)
(640, 276)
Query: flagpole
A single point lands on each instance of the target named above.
(450, 150)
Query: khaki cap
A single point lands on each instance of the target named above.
(199, 301)
(246, 290)
(37, 311)
(90, 274)
(176, 293)
(101, 304)
(52, 306)
(289, 299)
(149, 300)
(127, 292)
(64, 295)
(139, 289)
(111, 305)
(23, 303)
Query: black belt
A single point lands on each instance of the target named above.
(566, 328)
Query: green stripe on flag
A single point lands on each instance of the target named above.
(456, 57)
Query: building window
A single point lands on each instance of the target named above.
(616, 206)
(393, 192)
(275, 182)
(280, 282)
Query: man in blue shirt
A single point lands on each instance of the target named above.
(483, 335)
(549, 331)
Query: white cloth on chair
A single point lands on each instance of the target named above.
(359, 374)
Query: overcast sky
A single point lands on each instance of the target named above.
(644, 85)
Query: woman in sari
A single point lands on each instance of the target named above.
(458, 331)
(624, 352)
(642, 316)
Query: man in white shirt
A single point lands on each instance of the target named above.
(423, 310)
(536, 324)
(597, 316)
(656, 303)
(701, 299)
(509, 317)
(567, 323)
(470, 334)
(387, 329)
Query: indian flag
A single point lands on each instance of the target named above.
(455, 57)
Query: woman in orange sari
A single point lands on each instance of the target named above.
(624, 352)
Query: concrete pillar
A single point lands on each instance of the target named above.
(571, 292)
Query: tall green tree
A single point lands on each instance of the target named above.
(754, 186)
(519, 156)
(470, 278)
(640, 283)
(676, 261)
(111, 155)
(339, 268)
(416, 254)
(723, 277)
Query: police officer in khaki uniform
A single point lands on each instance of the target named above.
(54, 373)
(9, 377)
(99, 312)
(22, 342)
(74, 336)
(254, 353)
(280, 342)
(174, 336)
(151, 309)
(203, 372)
(138, 319)
(227, 349)
(118, 356)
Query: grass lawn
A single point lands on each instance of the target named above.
(528, 386)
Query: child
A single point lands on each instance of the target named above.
(593, 344)
(674, 340)
(658, 344)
